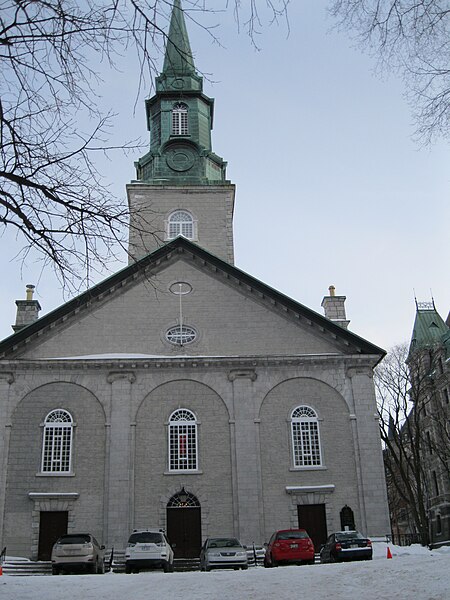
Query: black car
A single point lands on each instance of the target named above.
(346, 545)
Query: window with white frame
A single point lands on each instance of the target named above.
(180, 119)
(180, 223)
(305, 437)
(182, 441)
(181, 335)
(57, 442)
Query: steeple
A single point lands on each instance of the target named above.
(181, 186)
(178, 59)
(180, 119)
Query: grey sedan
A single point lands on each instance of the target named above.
(222, 552)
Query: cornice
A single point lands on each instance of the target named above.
(121, 366)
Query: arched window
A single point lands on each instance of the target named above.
(182, 441)
(57, 442)
(180, 119)
(181, 223)
(305, 437)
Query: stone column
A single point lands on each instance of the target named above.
(6, 379)
(374, 505)
(118, 477)
(247, 468)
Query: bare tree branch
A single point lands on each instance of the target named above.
(411, 37)
(51, 193)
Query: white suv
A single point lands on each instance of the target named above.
(146, 549)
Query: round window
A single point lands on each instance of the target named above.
(181, 335)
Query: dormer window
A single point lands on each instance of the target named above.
(180, 223)
(180, 119)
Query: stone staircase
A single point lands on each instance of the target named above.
(186, 564)
(26, 567)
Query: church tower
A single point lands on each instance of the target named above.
(181, 186)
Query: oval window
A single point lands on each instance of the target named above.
(181, 335)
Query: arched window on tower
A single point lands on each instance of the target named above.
(180, 119)
(305, 437)
(182, 441)
(57, 442)
(180, 223)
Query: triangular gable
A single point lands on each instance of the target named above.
(134, 272)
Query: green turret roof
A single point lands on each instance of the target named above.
(178, 59)
(429, 327)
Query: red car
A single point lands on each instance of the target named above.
(289, 546)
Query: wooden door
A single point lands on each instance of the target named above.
(52, 525)
(184, 531)
(312, 517)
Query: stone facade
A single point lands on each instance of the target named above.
(106, 363)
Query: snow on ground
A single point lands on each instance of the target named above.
(414, 572)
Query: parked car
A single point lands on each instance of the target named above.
(346, 545)
(148, 549)
(289, 546)
(223, 552)
(77, 551)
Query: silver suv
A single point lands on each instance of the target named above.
(77, 551)
(146, 549)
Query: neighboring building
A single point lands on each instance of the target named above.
(181, 392)
(424, 438)
(429, 363)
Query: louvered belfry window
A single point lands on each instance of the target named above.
(57, 442)
(180, 119)
(305, 437)
(182, 441)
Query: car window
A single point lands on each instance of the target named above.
(223, 543)
(74, 539)
(145, 537)
(292, 535)
(348, 535)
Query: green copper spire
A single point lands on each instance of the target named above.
(178, 59)
(180, 119)
(429, 327)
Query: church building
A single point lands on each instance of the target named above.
(181, 392)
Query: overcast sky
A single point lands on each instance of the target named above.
(331, 187)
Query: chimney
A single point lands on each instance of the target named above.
(334, 308)
(27, 310)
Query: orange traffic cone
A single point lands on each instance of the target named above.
(389, 554)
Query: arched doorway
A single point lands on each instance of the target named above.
(184, 528)
(347, 518)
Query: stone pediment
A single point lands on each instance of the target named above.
(233, 313)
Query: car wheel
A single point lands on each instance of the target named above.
(166, 567)
(273, 562)
(101, 568)
(127, 570)
(244, 568)
(55, 570)
(207, 568)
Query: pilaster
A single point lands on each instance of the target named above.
(118, 478)
(6, 380)
(247, 476)
(369, 457)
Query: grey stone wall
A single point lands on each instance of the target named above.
(245, 457)
(230, 321)
(212, 207)
(24, 466)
